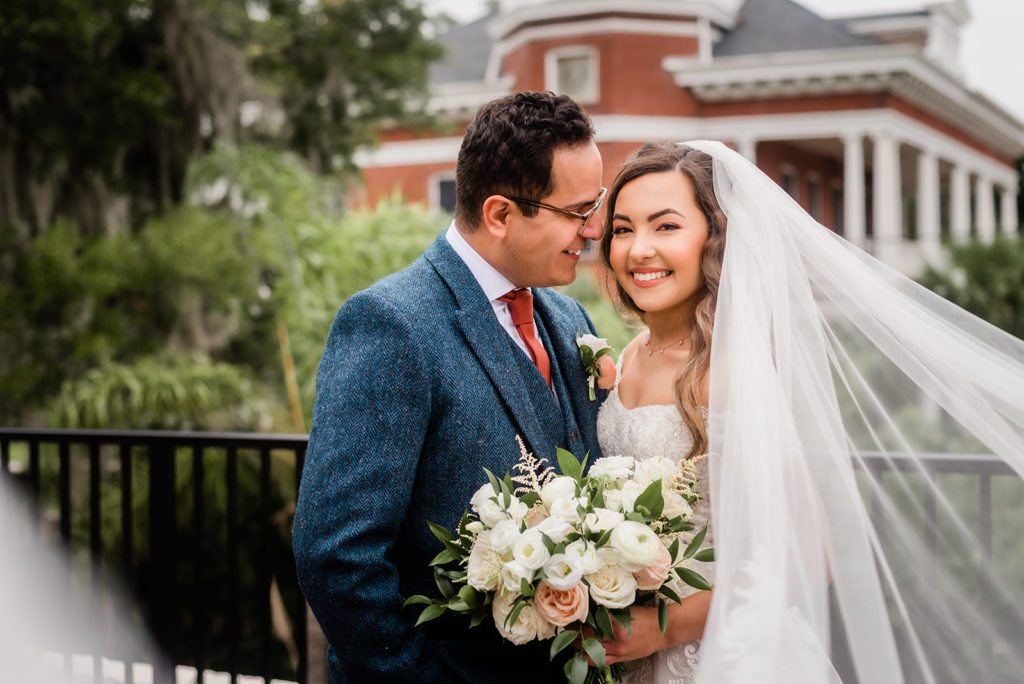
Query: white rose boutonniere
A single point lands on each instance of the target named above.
(595, 352)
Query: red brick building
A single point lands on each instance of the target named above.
(866, 120)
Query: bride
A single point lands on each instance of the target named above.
(856, 437)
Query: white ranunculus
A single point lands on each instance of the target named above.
(512, 575)
(529, 549)
(617, 468)
(613, 586)
(557, 488)
(595, 343)
(676, 505)
(567, 508)
(630, 491)
(504, 535)
(483, 569)
(636, 543)
(657, 468)
(528, 625)
(564, 571)
(587, 553)
(612, 499)
(555, 528)
(601, 519)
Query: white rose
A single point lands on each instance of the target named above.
(557, 488)
(636, 543)
(602, 519)
(613, 586)
(587, 553)
(595, 343)
(567, 508)
(555, 528)
(613, 499)
(512, 576)
(483, 569)
(528, 625)
(517, 509)
(504, 535)
(630, 491)
(529, 550)
(676, 505)
(564, 571)
(490, 507)
(617, 468)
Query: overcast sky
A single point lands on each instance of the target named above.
(989, 38)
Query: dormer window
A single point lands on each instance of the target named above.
(572, 71)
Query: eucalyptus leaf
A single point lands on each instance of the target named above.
(695, 543)
(568, 464)
(432, 611)
(595, 649)
(418, 599)
(560, 642)
(705, 555)
(692, 578)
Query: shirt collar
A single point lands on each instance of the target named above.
(493, 283)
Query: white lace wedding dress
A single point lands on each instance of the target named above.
(645, 432)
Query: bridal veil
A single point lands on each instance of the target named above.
(867, 442)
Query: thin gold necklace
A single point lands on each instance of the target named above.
(660, 350)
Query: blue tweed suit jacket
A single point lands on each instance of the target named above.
(418, 390)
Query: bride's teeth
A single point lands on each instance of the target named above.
(650, 276)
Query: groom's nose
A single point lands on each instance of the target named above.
(591, 228)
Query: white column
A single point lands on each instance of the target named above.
(888, 224)
(1009, 209)
(928, 228)
(853, 188)
(986, 208)
(748, 148)
(959, 204)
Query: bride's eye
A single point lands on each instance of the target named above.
(621, 230)
(668, 226)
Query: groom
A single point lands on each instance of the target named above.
(428, 376)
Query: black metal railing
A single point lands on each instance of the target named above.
(197, 526)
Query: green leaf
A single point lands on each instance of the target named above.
(673, 549)
(560, 642)
(445, 556)
(418, 599)
(692, 578)
(549, 543)
(511, 618)
(430, 612)
(603, 539)
(441, 533)
(494, 482)
(695, 543)
(525, 588)
(624, 618)
(576, 669)
(604, 622)
(478, 617)
(530, 498)
(705, 555)
(458, 605)
(595, 649)
(471, 596)
(662, 615)
(444, 585)
(651, 500)
(670, 594)
(568, 464)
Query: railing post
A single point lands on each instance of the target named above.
(161, 555)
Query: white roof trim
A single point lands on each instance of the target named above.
(507, 22)
(901, 69)
(591, 27)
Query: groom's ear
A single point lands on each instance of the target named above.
(497, 212)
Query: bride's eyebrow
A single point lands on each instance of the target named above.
(621, 217)
(658, 214)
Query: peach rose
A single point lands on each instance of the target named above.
(536, 515)
(561, 608)
(606, 372)
(654, 575)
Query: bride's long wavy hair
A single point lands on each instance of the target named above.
(697, 167)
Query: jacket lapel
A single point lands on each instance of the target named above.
(488, 341)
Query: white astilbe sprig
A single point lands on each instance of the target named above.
(532, 473)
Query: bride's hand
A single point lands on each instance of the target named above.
(643, 639)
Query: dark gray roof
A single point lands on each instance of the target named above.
(766, 26)
(467, 49)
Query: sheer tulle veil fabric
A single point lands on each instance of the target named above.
(867, 449)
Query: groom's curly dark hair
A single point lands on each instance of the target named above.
(508, 149)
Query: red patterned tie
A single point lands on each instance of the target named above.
(520, 305)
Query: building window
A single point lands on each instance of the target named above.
(442, 192)
(572, 71)
(814, 199)
(789, 182)
(838, 208)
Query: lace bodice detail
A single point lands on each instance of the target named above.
(645, 432)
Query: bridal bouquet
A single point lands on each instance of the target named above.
(544, 554)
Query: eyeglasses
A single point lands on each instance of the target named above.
(582, 218)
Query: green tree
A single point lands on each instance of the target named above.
(987, 279)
